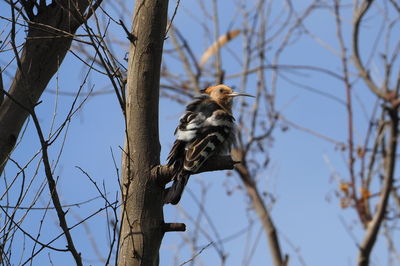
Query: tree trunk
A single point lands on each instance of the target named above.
(142, 209)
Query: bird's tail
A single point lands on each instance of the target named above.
(174, 193)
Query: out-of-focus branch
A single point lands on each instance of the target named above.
(374, 152)
(349, 108)
(357, 18)
(1, 87)
(92, 8)
(311, 132)
(261, 210)
(284, 67)
(397, 87)
(395, 5)
(390, 162)
(184, 59)
(218, 61)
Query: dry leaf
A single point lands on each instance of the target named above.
(365, 193)
(217, 45)
(344, 187)
(360, 152)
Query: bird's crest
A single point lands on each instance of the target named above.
(220, 86)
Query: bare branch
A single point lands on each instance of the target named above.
(129, 35)
(172, 18)
(184, 59)
(349, 104)
(51, 183)
(198, 253)
(262, 211)
(395, 5)
(1, 88)
(218, 61)
(174, 227)
(390, 162)
(357, 17)
(164, 173)
(44, 49)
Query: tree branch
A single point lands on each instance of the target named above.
(262, 211)
(358, 15)
(163, 174)
(174, 227)
(390, 163)
(1, 89)
(51, 182)
(45, 48)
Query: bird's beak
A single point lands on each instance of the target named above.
(234, 94)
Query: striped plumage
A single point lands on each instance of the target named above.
(206, 129)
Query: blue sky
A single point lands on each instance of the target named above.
(303, 173)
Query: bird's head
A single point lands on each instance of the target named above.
(223, 95)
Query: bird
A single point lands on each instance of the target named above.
(207, 128)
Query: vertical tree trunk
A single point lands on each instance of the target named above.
(142, 211)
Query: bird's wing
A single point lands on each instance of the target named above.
(186, 131)
(215, 132)
(189, 125)
(203, 148)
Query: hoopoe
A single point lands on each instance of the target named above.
(206, 129)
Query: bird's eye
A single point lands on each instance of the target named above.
(221, 90)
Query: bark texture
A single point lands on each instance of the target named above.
(142, 226)
(50, 33)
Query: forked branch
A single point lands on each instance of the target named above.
(357, 17)
(390, 162)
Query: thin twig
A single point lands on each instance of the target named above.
(172, 18)
(198, 253)
(51, 183)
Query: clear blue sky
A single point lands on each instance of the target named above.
(306, 213)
